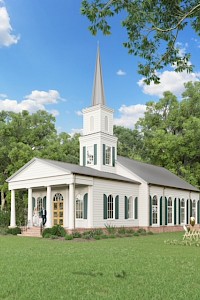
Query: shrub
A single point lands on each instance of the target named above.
(97, 231)
(97, 237)
(3, 231)
(121, 230)
(141, 230)
(150, 232)
(58, 230)
(4, 218)
(14, 231)
(104, 236)
(54, 237)
(46, 235)
(130, 231)
(112, 236)
(46, 232)
(76, 234)
(87, 236)
(68, 237)
(136, 234)
(110, 229)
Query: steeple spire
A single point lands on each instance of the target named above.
(98, 96)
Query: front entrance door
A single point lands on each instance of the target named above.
(58, 209)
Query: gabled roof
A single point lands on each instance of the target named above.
(154, 174)
(76, 169)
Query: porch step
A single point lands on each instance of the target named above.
(31, 232)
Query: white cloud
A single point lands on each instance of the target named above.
(3, 96)
(6, 36)
(76, 130)
(54, 112)
(33, 102)
(79, 113)
(169, 81)
(130, 115)
(42, 97)
(121, 73)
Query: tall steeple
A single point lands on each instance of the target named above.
(98, 145)
(98, 96)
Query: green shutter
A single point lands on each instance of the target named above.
(117, 207)
(179, 211)
(45, 202)
(113, 156)
(105, 207)
(187, 212)
(126, 208)
(190, 208)
(33, 203)
(95, 154)
(85, 205)
(166, 212)
(84, 156)
(150, 211)
(160, 210)
(175, 211)
(104, 154)
(198, 212)
(136, 208)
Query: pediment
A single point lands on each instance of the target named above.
(36, 169)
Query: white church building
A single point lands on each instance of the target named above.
(105, 189)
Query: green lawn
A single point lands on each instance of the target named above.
(123, 268)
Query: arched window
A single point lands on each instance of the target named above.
(58, 209)
(194, 209)
(169, 210)
(110, 207)
(106, 123)
(182, 213)
(91, 123)
(155, 210)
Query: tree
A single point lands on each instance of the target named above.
(152, 26)
(170, 133)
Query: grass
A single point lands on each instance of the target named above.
(122, 268)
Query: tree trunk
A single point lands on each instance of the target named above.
(3, 199)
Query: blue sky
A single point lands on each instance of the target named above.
(47, 61)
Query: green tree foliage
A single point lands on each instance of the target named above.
(152, 27)
(129, 142)
(170, 132)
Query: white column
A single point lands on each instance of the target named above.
(30, 209)
(90, 206)
(71, 206)
(12, 213)
(49, 208)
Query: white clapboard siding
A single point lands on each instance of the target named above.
(114, 188)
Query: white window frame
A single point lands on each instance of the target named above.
(90, 155)
(108, 155)
(79, 206)
(194, 209)
(169, 210)
(183, 211)
(155, 210)
(110, 207)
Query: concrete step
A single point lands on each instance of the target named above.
(31, 232)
